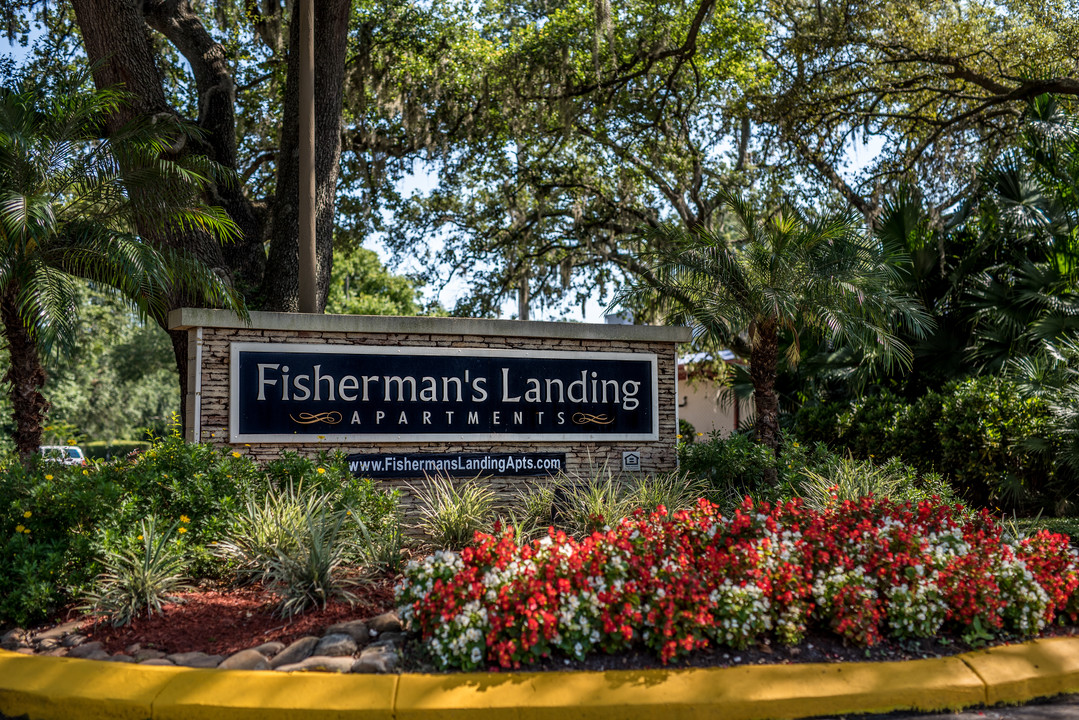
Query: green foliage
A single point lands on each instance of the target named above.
(849, 479)
(328, 472)
(139, 581)
(686, 432)
(530, 512)
(674, 491)
(71, 516)
(296, 532)
(62, 511)
(786, 272)
(730, 468)
(361, 285)
(383, 543)
(308, 570)
(565, 170)
(74, 208)
(175, 478)
(586, 503)
(270, 522)
(982, 435)
(120, 381)
(451, 514)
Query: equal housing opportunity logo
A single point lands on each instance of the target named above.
(282, 392)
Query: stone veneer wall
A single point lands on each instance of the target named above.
(210, 333)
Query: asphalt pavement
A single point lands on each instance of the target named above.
(1062, 707)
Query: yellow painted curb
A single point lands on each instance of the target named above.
(262, 695)
(737, 693)
(46, 688)
(50, 687)
(1015, 673)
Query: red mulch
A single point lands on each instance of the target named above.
(221, 622)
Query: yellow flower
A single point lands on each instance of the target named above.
(348, 512)
(700, 433)
(247, 444)
(19, 528)
(679, 436)
(320, 471)
(27, 531)
(235, 454)
(140, 537)
(85, 472)
(182, 530)
(27, 514)
(48, 477)
(185, 519)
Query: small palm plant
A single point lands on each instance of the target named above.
(137, 582)
(73, 206)
(782, 273)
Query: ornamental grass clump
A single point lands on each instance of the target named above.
(271, 522)
(310, 572)
(140, 581)
(451, 514)
(677, 582)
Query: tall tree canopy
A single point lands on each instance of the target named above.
(941, 84)
(557, 129)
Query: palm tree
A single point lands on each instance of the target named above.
(70, 204)
(783, 274)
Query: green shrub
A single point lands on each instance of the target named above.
(984, 438)
(674, 491)
(985, 430)
(61, 510)
(849, 479)
(585, 503)
(173, 478)
(383, 545)
(269, 522)
(78, 515)
(728, 468)
(817, 423)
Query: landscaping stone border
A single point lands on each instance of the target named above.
(62, 688)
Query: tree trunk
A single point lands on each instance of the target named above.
(118, 41)
(762, 370)
(280, 287)
(26, 376)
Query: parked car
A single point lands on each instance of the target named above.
(64, 454)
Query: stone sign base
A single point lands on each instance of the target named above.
(210, 396)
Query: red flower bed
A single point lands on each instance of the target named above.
(678, 582)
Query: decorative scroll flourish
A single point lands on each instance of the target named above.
(586, 418)
(330, 418)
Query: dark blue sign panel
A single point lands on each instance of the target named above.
(296, 393)
(410, 465)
